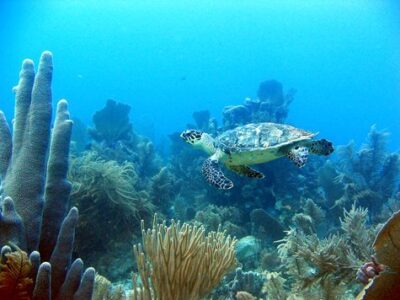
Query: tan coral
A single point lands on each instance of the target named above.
(181, 262)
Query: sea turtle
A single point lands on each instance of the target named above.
(253, 144)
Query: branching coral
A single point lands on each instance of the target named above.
(181, 262)
(275, 286)
(227, 217)
(99, 180)
(162, 189)
(107, 196)
(316, 264)
(16, 280)
(372, 167)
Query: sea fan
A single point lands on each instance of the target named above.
(15, 276)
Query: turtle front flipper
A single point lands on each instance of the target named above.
(213, 174)
(246, 171)
(298, 155)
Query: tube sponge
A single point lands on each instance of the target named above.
(25, 185)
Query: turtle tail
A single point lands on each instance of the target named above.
(321, 147)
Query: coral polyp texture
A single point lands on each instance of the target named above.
(35, 192)
(181, 261)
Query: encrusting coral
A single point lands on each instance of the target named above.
(34, 189)
(181, 262)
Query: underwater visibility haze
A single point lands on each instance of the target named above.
(199, 150)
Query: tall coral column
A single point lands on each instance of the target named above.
(35, 196)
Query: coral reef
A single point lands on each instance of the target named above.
(275, 286)
(119, 178)
(103, 290)
(114, 139)
(271, 106)
(16, 280)
(265, 227)
(330, 209)
(204, 121)
(386, 247)
(326, 266)
(250, 282)
(227, 218)
(101, 190)
(111, 124)
(248, 248)
(79, 137)
(368, 177)
(181, 262)
(35, 191)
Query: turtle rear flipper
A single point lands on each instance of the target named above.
(246, 171)
(213, 174)
(298, 155)
(321, 147)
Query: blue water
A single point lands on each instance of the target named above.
(170, 58)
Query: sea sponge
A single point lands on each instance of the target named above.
(34, 200)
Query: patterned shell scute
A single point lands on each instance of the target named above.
(261, 136)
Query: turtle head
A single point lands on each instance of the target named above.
(192, 136)
(199, 139)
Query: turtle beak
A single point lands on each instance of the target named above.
(185, 135)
